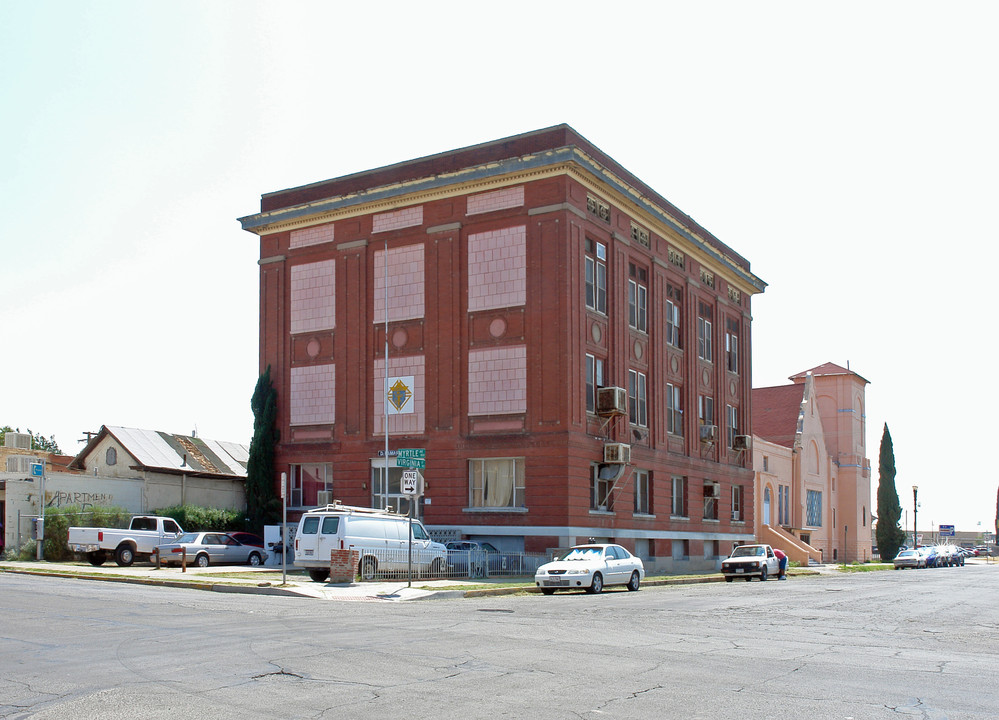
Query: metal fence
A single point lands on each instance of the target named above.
(455, 564)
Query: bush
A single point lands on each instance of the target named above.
(194, 518)
(59, 520)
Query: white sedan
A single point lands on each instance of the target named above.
(590, 568)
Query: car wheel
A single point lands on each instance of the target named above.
(635, 580)
(548, 591)
(369, 568)
(124, 556)
(97, 558)
(597, 585)
(201, 561)
(254, 559)
(749, 578)
(763, 575)
(318, 574)
(728, 579)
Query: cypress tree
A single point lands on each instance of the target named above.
(889, 535)
(262, 504)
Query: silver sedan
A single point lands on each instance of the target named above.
(590, 568)
(207, 548)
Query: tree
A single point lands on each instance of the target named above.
(889, 535)
(262, 506)
(38, 442)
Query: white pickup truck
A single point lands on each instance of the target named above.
(138, 541)
(748, 561)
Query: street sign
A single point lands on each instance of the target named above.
(37, 469)
(411, 463)
(411, 453)
(410, 482)
(946, 531)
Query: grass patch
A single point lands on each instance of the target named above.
(867, 567)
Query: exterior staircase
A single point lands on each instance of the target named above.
(795, 548)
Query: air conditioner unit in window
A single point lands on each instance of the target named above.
(736, 515)
(612, 401)
(742, 442)
(324, 498)
(617, 453)
(709, 433)
(712, 491)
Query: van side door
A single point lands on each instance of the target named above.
(328, 538)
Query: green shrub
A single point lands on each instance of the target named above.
(59, 520)
(194, 518)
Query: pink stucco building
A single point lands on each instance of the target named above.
(813, 477)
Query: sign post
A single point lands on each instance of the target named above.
(284, 529)
(410, 488)
(38, 471)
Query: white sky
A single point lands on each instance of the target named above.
(843, 148)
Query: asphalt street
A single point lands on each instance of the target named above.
(886, 644)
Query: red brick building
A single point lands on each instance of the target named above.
(513, 286)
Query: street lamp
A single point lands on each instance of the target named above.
(915, 540)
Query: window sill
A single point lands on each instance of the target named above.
(643, 516)
(495, 510)
(711, 520)
(609, 513)
(681, 518)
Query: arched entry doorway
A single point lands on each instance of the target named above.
(766, 506)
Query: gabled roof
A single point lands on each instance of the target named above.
(775, 413)
(166, 452)
(825, 369)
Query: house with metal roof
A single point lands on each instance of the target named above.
(175, 469)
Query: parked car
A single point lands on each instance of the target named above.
(246, 538)
(591, 568)
(749, 561)
(909, 559)
(480, 559)
(207, 548)
(930, 556)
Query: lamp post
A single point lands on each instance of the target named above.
(915, 539)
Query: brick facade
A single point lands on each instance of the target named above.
(492, 260)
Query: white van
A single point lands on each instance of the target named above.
(381, 538)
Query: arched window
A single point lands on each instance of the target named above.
(111, 456)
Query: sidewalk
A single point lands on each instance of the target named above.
(268, 581)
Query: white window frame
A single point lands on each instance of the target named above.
(638, 410)
(737, 498)
(674, 410)
(594, 380)
(600, 489)
(643, 492)
(672, 324)
(638, 296)
(479, 483)
(678, 499)
(596, 278)
(732, 352)
(732, 423)
(704, 339)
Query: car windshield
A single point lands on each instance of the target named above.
(188, 538)
(747, 551)
(583, 553)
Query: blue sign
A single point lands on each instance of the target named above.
(37, 469)
(946, 531)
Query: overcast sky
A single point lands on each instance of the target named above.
(847, 149)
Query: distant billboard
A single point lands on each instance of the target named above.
(946, 531)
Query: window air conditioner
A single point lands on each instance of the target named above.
(324, 498)
(617, 453)
(612, 401)
(736, 515)
(709, 433)
(742, 442)
(712, 491)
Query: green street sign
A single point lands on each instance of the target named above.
(411, 453)
(410, 462)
